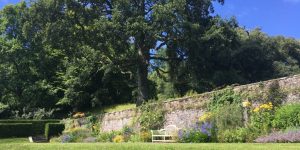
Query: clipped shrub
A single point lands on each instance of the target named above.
(38, 126)
(287, 116)
(53, 129)
(15, 129)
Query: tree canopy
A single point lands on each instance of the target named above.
(78, 54)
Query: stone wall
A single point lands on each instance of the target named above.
(183, 112)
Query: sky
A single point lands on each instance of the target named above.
(274, 17)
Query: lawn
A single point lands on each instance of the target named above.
(20, 144)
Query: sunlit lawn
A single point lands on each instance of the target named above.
(21, 144)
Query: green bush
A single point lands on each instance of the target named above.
(152, 116)
(107, 136)
(76, 135)
(37, 126)
(262, 121)
(135, 138)
(53, 129)
(229, 116)
(239, 135)
(287, 116)
(193, 136)
(15, 129)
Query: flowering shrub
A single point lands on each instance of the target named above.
(118, 139)
(200, 132)
(205, 117)
(262, 117)
(281, 137)
(192, 136)
(246, 104)
(264, 107)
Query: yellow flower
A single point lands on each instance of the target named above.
(205, 117)
(118, 139)
(246, 104)
(256, 109)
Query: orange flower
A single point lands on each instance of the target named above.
(79, 115)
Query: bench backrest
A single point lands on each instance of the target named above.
(171, 130)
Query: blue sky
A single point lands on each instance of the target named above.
(275, 17)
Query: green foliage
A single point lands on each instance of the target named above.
(152, 116)
(37, 114)
(238, 135)
(53, 129)
(3, 107)
(16, 130)
(75, 135)
(287, 116)
(145, 136)
(135, 138)
(262, 120)
(37, 126)
(72, 54)
(228, 116)
(226, 108)
(107, 136)
(223, 98)
(194, 136)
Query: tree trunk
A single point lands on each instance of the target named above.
(142, 77)
(143, 60)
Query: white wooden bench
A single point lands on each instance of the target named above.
(168, 134)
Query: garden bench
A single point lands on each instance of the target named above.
(168, 134)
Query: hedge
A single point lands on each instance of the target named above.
(53, 129)
(37, 127)
(15, 129)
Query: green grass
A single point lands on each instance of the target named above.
(14, 140)
(18, 144)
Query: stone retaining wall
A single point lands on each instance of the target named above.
(183, 112)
